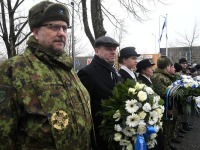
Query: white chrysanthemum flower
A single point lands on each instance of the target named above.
(142, 114)
(131, 106)
(139, 86)
(153, 135)
(142, 96)
(156, 99)
(132, 120)
(141, 122)
(161, 124)
(132, 90)
(141, 129)
(151, 143)
(117, 115)
(162, 108)
(155, 105)
(153, 117)
(129, 147)
(157, 128)
(117, 137)
(124, 142)
(129, 131)
(186, 85)
(118, 128)
(146, 107)
(197, 101)
(159, 111)
(149, 90)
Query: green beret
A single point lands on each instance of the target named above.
(47, 11)
(163, 62)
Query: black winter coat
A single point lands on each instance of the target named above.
(125, 75)
(99, 78)
(144, 80)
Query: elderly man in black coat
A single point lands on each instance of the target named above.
(99, 78)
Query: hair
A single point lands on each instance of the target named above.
(163, 62)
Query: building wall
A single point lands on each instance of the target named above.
(176, 53)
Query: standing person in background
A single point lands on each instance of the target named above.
(193, 72)
(198, 69)
(43, 104)
(128, 60)
(99, 78)
(161, 80)
(185, 68)
(178, 68)
(145, 70)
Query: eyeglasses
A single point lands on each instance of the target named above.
(56, 27)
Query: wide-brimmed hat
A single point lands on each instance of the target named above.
(128, 52)
(143, 64)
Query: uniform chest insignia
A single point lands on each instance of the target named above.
(59, 120)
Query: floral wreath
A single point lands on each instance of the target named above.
(188, 92)
(132, 116)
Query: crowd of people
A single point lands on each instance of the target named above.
(44, 104)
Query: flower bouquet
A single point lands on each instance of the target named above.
(190, 86)
(188, 89)
(132, 116)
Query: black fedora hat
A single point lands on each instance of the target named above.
(128, 52)
(143, 64)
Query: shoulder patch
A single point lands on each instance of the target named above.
(5, 91)
(2, 95)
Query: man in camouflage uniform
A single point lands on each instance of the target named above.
(161, 80)
(43, 104)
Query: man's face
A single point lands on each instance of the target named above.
(130, 62)
(184, 64)
(52, 35)
(106, 53)
(171, 69)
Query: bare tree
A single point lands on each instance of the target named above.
(189, 39)
(12, 26)
(14, 33)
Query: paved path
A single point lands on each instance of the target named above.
(191, 141)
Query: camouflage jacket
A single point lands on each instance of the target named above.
(43, 104)
(160, 81)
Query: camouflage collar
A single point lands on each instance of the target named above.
(48, 56)
(157, 70)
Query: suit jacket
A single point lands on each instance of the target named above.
(144, 80)
(99, 78)
(125, 75)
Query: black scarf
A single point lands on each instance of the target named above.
(115, 76)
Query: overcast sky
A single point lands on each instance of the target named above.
(181, 17)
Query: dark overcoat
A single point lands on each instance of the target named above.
(125, 75)
(144, 80)
(99, 78)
